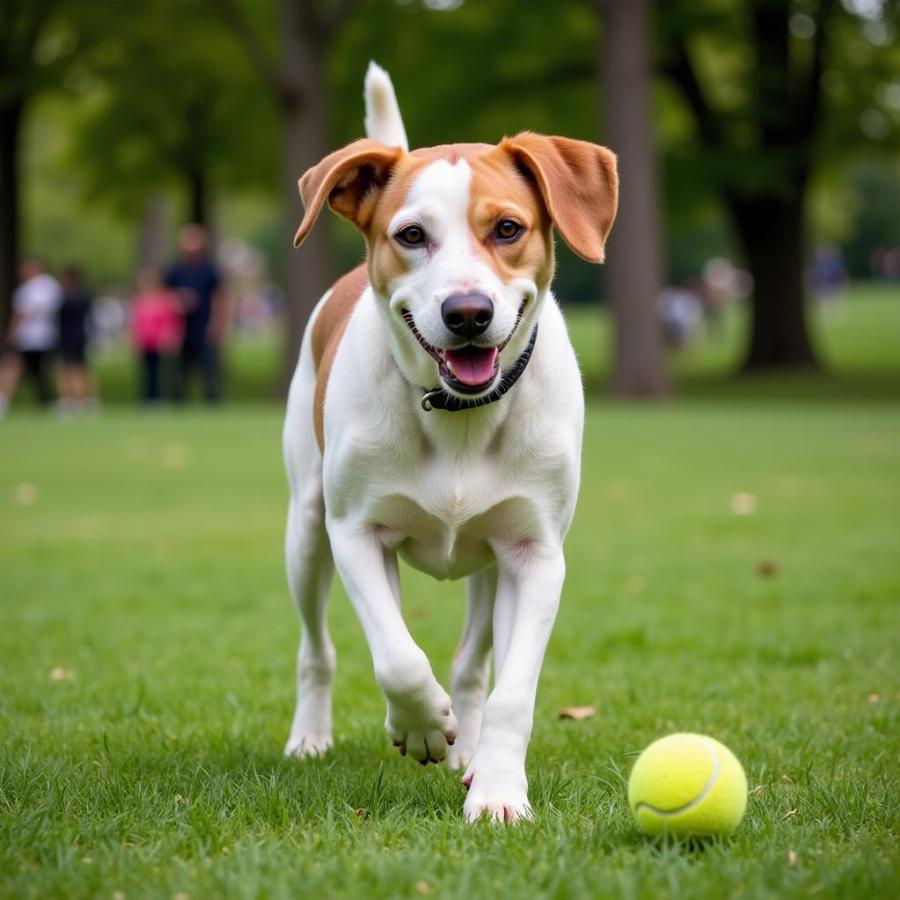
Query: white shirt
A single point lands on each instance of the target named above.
(37, 302)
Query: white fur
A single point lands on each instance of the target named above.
(438, 200)
(383, 120)
(486, 494)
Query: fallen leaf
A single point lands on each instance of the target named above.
(792, 858)
(576, 712)
(743, 503)
(360, 813)
(58, 673)
(423, 888)
(873, 698)
(175, 457)
(767, 568)
(24, 494)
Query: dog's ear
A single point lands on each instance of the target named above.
(578, 182)
(348, 180)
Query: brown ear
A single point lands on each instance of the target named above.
(346, 179)
(579, 184)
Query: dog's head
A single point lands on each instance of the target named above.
(460, 245)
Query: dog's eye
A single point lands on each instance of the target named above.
(411, 236)
(507, 230)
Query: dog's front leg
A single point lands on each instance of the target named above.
(419, 720)
(528, 591)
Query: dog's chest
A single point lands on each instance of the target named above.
(446, 520)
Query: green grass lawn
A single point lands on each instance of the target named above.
(147, 644)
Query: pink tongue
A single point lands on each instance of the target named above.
(473, 365)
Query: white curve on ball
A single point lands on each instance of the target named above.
(687, 807)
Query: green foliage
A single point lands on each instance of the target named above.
(61, 226)
(155, 92)
(148, 653)
(749, 71)
(170, 98)
(35, 50)
(875, 187)
(474, 73)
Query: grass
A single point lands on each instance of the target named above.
(147, 643)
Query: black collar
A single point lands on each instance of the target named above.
(438, 398)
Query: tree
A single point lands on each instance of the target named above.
(299, 86)
(170, 112)
(23, 24)
(634, 265)
(751, 75)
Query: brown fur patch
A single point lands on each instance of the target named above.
(328, 329)
(500, 191)
(578, 182)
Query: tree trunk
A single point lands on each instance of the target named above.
(151, 242)
(10, 128)
(198, 194)
(634, 266)
(772, 235)
(309, 270)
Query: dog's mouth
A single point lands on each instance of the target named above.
(469, 369)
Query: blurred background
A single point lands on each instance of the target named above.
(759, 226)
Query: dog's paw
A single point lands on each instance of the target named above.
(302, 746)
(421, 723)
(460, 754)
(498, 795)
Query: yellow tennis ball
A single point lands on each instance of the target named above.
(687, 785)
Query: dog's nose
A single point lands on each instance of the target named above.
(467, 315)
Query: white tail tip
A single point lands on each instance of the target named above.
(383, 120)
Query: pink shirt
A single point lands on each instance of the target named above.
(156, 321)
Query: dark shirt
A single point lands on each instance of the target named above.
(73, 320)
(196, 282)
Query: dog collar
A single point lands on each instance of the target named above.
(438, 398)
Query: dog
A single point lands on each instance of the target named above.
(436, 415)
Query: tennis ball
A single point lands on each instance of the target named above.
(687, 785)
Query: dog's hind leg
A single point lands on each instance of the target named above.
(471, 666)
(309, 567)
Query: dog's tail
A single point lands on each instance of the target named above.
(383, 120)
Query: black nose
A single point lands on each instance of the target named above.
(467, 315)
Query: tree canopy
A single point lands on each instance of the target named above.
(164, 97)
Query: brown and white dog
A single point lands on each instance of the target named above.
(436, 415)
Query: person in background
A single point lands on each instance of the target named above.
(196, 281)
(156, 329)
(829, 276)
(32, 334)
(76, 387)
(680, 313)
